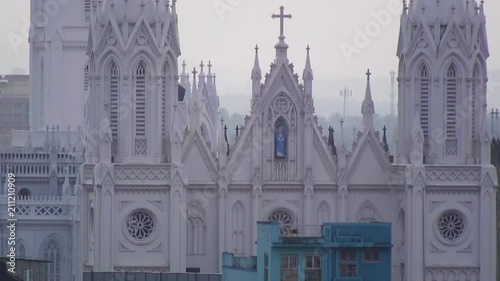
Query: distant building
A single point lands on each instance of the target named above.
(48, 197)
(334, 251)
(14, 106)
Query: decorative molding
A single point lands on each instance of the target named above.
(318, 145)
(467, 249)
(158, 204)
(453, 174)
(142, 173)
(123, 248)
(141, 190)
(124, 204)
(436, 249)
(467, 204)
(434, 204)
(452, 273)
(156, 249)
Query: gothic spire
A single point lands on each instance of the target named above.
(342, 153)
(66, 186)
(256, 72)
(368, 108)
(308, 72)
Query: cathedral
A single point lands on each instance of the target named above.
(161, 188)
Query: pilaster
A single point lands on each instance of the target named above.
(487, 233)
(256, 208)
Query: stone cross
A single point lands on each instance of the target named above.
(368, 74)
(282, 18)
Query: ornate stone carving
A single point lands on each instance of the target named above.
(142, 173)
(455, 174)
(452, 273)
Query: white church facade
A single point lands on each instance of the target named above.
(162, 189)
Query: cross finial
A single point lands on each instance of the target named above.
(492, 113)
(308, 49)
(384, 129)
(368, 73)
(183, 66)
(341, 122)
(221, 120)
(201, 66)
(282, 18)
(256, 48)
(209, 66)
(194, 71)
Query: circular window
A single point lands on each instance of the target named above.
(285, 218)
(281, 105)
(140, 225)
(451, 226)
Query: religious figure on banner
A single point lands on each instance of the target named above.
(280, 141)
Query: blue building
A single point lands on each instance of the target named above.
(332, 252)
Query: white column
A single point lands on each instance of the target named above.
(256, 215)
(342, 203)
(223, 240)
(177, 228)
(487, 252)
(418, 229)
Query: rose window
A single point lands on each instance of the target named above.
(451, 226)
(140, 225)
(286, 219)
(281, 105)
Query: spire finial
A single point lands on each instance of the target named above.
(256, 48)
(209, 67)
(184, 66)
(282, 18)
(142, 5)
(368, 74)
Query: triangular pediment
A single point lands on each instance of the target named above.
(111, 36)
(238, 169)
(324, 168)
(452, 38)
(282, 80)
(368, 163)
(197, 156)
(142, 35)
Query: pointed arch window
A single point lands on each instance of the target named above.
(52, 253)
(114, 78)
(140, 109)
(196, 229)
(22, 251)
(165, 86)
(323, 213)
(281, 139)
(238, 231)
(425, 102)
(451, 110)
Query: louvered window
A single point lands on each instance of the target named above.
(86, 9)
(140, 101)
(451, 111)
(424, 101)
(86, 78)
(113, 106)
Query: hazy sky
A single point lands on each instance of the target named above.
(226, 31)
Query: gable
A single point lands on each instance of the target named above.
(369, 165)
(197, 167)
(197, 158)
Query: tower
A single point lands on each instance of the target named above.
(443, 132)
(134, 139)
(442, 52)
(56, 41)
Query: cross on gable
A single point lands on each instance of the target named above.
(282, 18)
